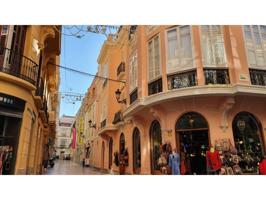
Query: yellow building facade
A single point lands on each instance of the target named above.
(29, 83)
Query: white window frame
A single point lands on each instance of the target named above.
(134, 58)
(176, 68)
(202, 56)
(246, 50)
(160, 60)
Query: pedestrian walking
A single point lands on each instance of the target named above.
(45, 157)
(174, 162)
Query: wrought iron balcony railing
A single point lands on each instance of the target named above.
(133, 96)
(258, 77)
(18, 65)
(155, 87)
(181, 80)
(121, 68)
(118, 117)
(103, 123)
(216, 76)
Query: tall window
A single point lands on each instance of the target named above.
(154, 58)
(255, 39)
(133, 72)
(179, 49)
(105, 73)
(136, 151)
(212, 45)
(156, 141)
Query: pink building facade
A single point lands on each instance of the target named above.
(188, 86)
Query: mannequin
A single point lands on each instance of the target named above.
(214, 163)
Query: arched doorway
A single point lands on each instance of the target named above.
(156, 141)
(136, 151)
(248, 141)
(110, 152)
(192, 140)
(103, 149)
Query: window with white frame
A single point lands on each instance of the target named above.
(154, 58)
(255, 40)
(212, 45)
(133, 72)
(179, 49)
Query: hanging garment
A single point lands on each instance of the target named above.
(262, 167)
(213, 160)
(174, 163)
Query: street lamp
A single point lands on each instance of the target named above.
(118, 96)
(92, 125)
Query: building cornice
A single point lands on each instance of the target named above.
(197, 91)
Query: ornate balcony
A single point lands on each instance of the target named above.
(134, 96)
(118, 117)
(155, 87)
(18, 65)
(258, 77)
(216, 76)
(121, 68)
(103, 123)
(181, 80)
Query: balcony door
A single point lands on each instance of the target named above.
(17, 47)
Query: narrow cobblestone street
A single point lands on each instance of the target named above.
(68, 167)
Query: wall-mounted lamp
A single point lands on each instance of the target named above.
(118, 96)
(92, 125)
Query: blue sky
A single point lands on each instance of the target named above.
(80, 54)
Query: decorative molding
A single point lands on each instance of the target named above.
(225, 108)
(47, 32)
(150, 28)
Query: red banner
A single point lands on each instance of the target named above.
(74, 134)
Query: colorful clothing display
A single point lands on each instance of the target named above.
(262, 167)
(213, 160)
(174, 163)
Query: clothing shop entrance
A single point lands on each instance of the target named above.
(9, 131)
(192, 137)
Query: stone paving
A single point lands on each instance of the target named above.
(68, 167)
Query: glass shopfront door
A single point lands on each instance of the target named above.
(9, 135)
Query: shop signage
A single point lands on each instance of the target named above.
(11, 101)
(243, 77)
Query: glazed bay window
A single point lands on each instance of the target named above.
(179, 49)
(155, 84)
(255, 40)
(212, 45)
(133, 77)
(258, 77)
(181, 80)
(216, 76)
(154, 58)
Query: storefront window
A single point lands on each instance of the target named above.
(156, 141)
(9, 132)
(248, 141)
(136, 150)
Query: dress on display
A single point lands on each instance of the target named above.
(213, 161)
(174, 163)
